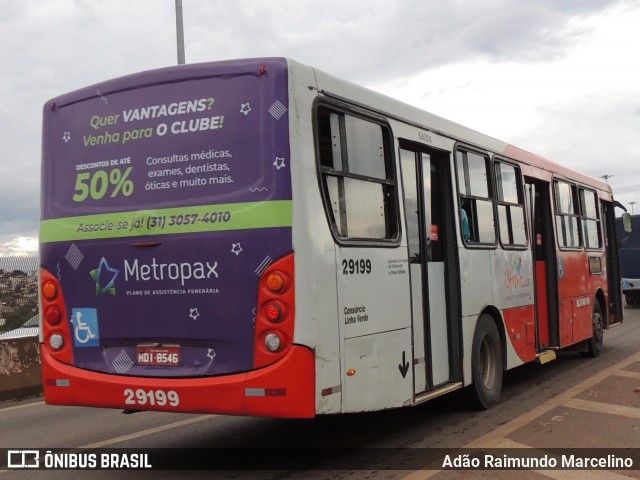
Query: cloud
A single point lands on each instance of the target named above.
(602, 140)
(51, 47)
(580, 109)
(377, 40)
(19, 246)
(504, 56)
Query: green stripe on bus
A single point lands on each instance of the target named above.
(168, 221)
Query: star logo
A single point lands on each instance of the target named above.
(245, 108)
(66, 136)
(211, 353)
(236, 248)
(105, 274)
(194, 313)
(279, 163)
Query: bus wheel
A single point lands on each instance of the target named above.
(486, 363)
(595, 343)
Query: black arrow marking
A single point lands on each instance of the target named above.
(404, 366)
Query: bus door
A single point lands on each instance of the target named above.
(544, 257)
(614, 286)
(430, 239)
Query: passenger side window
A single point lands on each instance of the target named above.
(567, 215)
(590, 219)
(357, 176)
(476, 203)
(511, 222)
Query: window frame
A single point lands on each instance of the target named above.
(585, 218)
(559, 213)
(497, 160)
(465, 149)
(389, 185)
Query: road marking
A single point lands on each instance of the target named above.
(149, 431)
(560, 474)
(497, 437)
(561, 399)
(581, 474)
(131, 436)
(628, 374)
(599, 407)
(19, 407)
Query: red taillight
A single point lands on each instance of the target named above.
(56, 332)
(275, 318)
(53, 315)
(274, 312)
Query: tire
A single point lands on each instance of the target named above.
(594, 344)
(486, 364)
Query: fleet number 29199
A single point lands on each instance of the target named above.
(151, 397)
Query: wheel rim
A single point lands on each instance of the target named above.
(488, 362)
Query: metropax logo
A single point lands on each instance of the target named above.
(105, 278)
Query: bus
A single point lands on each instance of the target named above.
(629, 260)
(257, 237)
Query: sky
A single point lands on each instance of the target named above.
(560, 78)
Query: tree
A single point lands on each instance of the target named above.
(22, 314)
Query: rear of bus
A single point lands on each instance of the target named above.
(167, 268)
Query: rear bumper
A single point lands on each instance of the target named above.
(284, 389)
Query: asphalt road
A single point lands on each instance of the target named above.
(445, 422)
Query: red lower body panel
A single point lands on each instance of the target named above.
(520, 323)
(284, 389)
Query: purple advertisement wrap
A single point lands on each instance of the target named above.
(165, 196)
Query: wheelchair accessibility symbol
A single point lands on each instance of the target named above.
(85, 327)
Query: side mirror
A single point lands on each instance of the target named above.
(626, 223)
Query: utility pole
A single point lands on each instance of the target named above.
(179, 32)
(632, 204)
